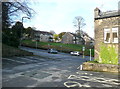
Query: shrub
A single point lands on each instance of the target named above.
(108, 55)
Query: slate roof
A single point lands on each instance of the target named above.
(74, 35)
(108, 14)
(43, 32)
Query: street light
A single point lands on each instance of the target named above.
(23, 18)
(21, 29)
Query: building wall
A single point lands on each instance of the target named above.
(100, 24)
(42, 37)
(119, 40)
(67, 38)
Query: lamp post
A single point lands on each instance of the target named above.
(21, 29)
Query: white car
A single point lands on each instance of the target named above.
(52, 51)
(75, 53)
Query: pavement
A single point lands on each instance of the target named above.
(52, 70)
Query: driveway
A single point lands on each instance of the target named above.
(52, 70)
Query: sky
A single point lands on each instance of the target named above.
(58, 15)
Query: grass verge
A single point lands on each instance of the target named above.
(58, 46)
(8, 51)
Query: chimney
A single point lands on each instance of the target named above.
(97, 12)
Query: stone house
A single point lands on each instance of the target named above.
(107, 31)
(43, 36)
(71, 38)
(88, 40)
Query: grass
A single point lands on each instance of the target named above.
(58, 46)
(8, 51)
(93, 61)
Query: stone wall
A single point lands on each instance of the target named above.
(100, 67)
(100, 24)
(119, 39)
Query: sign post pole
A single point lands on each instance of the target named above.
(83, 49)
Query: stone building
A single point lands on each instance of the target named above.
(106, 30)
(43, 36)
(71, 38)
(88, 40)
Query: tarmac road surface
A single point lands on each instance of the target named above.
(52, 70)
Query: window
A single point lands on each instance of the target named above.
(111, 36)
(74, 38)
(106, 35)
(114, 35)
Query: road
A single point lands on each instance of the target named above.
(52, 70)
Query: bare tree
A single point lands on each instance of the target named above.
(10, 9)
(15, 8)
(79, 23)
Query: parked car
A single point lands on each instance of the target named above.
(52, 51)
(76, 53)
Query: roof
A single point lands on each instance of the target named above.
(74, 35)
(43, 32)
(108, 14)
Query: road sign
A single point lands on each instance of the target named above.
(83, 48)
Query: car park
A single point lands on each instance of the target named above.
(52, 51)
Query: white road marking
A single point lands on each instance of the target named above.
(13, 60)
(72, 84)
(95, 79)
(27, 59)
(36, 58)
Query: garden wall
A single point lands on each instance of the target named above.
(101, 67)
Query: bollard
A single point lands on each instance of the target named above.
(81, 67)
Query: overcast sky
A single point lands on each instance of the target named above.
(58, 15)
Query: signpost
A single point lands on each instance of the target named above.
(83, 49)
(90, 54)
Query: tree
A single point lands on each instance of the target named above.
(18, 29)
(56, 37)
(5, 16)
(61, 34)
(12, 9)
(29, 32)
(79, 23)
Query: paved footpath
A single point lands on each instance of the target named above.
(52, 70)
